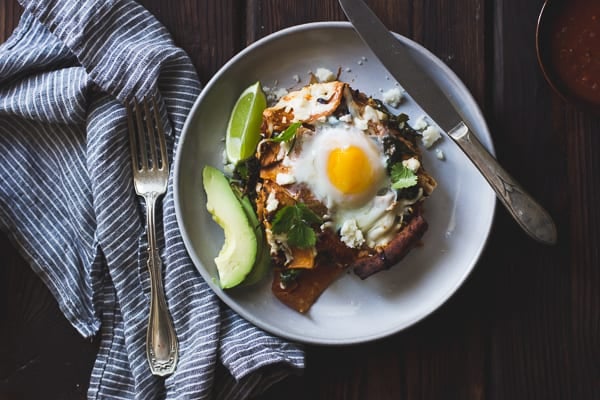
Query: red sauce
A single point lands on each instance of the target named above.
(576, 47)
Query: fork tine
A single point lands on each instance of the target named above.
(161, 137)
(150, 125)
(141, 148)
(132, 139)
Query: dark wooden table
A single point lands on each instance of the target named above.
(525, 325)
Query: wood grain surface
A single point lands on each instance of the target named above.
(526, 323)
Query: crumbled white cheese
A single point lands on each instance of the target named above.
(346, 118)
(420, 123)
(431, 134)
(274, 93)
(369, 114)
(282, 241)
(332, 120)
(272, 202)
(273, 245)
(296, 78)
(325, 75)
(285, 179)
(350, 234)
(393, 97)
(278, 242)
(362, 124)
(440, 154)
(412, 163)
(278, 93)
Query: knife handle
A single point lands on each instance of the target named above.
(531, 216)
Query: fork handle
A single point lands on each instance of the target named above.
(161, 341)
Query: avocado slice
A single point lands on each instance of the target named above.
(238, 254)
(263, 258)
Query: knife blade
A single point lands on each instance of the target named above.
(398, 59)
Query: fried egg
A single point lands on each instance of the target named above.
(342, 166)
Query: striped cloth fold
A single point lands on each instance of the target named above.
(67, 200)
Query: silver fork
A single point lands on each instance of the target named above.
(150, 175)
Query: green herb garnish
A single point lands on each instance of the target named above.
(246, 175)
(288, 134)
(295, 221)
(402, 177)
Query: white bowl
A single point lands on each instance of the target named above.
(459, 212)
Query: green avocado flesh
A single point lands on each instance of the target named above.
(263, 258)
(238, 254)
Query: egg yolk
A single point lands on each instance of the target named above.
(349, 170)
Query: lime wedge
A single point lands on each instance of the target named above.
(243, 129)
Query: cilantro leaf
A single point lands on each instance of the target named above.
(402, 177)
(307, 214)
(301, 236)
(295, 221)
(287, 134)
(284, 219)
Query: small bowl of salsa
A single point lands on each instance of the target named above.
(568, 50)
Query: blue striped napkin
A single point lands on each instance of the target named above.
(68, 203)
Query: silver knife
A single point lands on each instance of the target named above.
(397, 59)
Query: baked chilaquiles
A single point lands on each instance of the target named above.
(338, 184)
